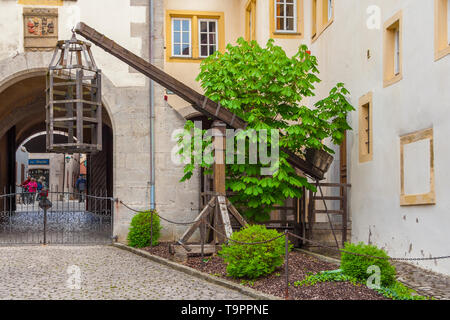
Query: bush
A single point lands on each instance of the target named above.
(356, 266)
(139, 235)
(253, 261)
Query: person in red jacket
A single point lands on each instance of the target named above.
(32, 188)
(24, 186)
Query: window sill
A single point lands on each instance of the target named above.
(184, 59)
(439, 54)
(365, 158)
(418, 199)
(324, 27)
(287, 35)
(391, 81)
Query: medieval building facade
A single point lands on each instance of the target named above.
(393, 56)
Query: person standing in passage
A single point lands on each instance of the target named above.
(81, 187)
(24, 186)
(40, 185)
(32, 188)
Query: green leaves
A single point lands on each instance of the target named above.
(266, 88)
(253, 261)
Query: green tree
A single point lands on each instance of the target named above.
(266, 88)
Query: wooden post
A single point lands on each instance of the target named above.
(218, 132)
(219, 128)
(344, 214)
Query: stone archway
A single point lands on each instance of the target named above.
(22, 114)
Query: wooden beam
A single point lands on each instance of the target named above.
(206, 210)
(224, 215)
(199, 102)
(236, 213)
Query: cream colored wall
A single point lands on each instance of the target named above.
(187, 72)
(419, 101)
(234, 28)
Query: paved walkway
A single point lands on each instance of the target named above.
(424, 281)
(96, 272)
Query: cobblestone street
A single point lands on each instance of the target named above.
(38, 272)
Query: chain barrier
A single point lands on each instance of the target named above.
(245, 243)
(365, 255)
(156, 214)
(298, 237)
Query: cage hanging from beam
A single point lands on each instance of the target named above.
(74, 99)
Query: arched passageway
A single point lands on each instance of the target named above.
(22, 115)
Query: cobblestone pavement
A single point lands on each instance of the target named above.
(424, 281)
(47, 272)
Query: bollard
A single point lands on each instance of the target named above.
(286, 241)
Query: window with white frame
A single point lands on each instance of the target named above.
(286, 15)
(181, 37)
(208, 37)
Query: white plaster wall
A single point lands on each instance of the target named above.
(421, 100)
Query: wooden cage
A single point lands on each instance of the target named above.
(73, 103)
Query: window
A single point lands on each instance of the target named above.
(442, 28)
(392, 50)
(192, 36)
(250, 20)
(365, 128)
(285, 16)
(208, 37)
(397, 52)
(287, 19)
(322, 16)
(417, 169)
(181, 29)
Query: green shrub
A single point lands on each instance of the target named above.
(253, 261)
(139, 235)
(356, 266)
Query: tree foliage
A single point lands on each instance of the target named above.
(268, 90)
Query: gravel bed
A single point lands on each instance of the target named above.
(300, 264)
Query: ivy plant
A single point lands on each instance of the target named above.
(271, 91)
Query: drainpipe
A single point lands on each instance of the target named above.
(152, 111)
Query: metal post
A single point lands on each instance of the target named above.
(45, 221)
(286, 241)
(151, 228)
